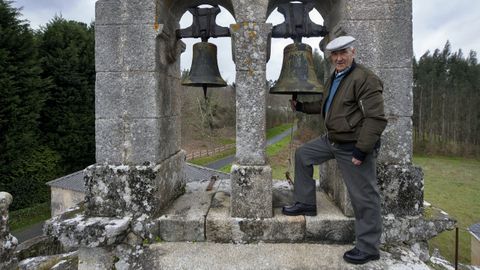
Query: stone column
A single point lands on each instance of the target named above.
(139, 161)
(8, 242)
(251, 175)
(383, 30)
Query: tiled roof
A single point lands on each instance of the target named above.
(75, 180)
(475, 230)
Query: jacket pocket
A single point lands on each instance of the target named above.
(354, 118)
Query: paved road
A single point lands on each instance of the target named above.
(29, 233)
(217, 165)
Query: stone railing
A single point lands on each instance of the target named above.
(206, 153)
(8, 242)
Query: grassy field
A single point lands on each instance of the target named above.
(24, 218)
(453, 184)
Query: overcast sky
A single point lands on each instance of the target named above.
(434, 22)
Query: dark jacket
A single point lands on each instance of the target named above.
(356, 114)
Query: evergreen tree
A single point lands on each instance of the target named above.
(68, 119)
(25, 165)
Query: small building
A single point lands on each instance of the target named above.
(475, 245)
(68, 191)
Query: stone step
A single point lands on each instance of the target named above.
(201, 215)
(214, 256)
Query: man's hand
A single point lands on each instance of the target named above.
(356, 162)
(293, 105)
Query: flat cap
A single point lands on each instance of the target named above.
(340, 43)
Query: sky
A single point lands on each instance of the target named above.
(434, 22)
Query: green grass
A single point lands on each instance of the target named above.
(23, 218)
(272, 132)
(453, 184)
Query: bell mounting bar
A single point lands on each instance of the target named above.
(204, 25)
(297, 23)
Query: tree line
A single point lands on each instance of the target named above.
(47, 82)
(447, 103)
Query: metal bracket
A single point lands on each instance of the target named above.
(203, 25)
(297, 23)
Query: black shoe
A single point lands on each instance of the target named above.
(300, 209)
(357, 256)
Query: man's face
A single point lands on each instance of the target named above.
(342, 58)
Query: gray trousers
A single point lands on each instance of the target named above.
(361, 182)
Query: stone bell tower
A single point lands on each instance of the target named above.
(140, 168)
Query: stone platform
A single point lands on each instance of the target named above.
(201, 215)
(214, 256)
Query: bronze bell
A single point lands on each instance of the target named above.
(204, 71)
(298, 74)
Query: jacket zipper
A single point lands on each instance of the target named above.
(361, 107)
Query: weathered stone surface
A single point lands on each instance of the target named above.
(332, 183)
(250, 44)
(67, 261)
(251, 191)
(222, 228)
(111, 146)
(397, 141)
(398, 93)
(185, 219)
(250, 11)
(126, 11)
(83, 231)
(251, 89)
(382, 43)
(95, 258)
(413, 229)
(271, 256)
(117, 191)
(378, 10)
(329, 225)
(401, 189)
(38, 246)
(8, 242)
(126, 48)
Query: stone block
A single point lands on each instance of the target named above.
(332, 183)
(382, 43)
(83, 231)
(397, 141)
(220, 227)
(126, 48)
(108, 48)
(117, 191)
(329, 225)
(378, 10)
(185, 219)
(401, 189)
(251, 90)
(136, 95)
(251, 191)
(126, 12)
(398, 92)
(416, 228)
(250, 45)
(110, 141)
(248, 11)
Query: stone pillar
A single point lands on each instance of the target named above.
(383, 30)
(137, 110)
(8, 242)
(251, 175)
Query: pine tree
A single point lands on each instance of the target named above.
(25, 165)
(67, 51)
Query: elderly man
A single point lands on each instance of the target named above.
(354, 120)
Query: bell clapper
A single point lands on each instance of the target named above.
(205, 91)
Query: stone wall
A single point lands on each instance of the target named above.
(63, 199)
